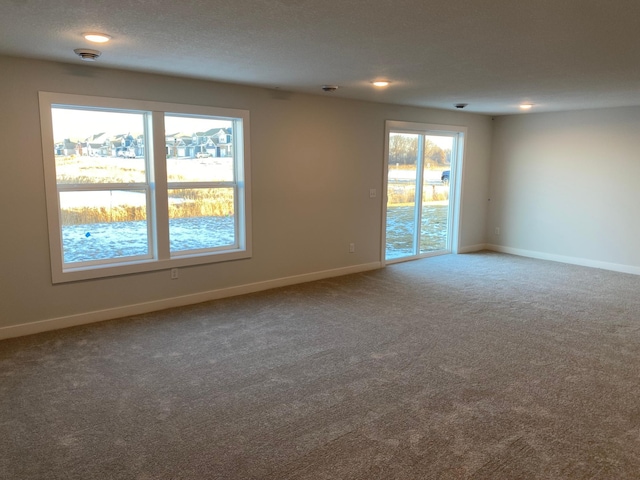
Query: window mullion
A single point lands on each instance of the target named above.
(158, 182)
(418, 194)
(98, 187)
(186, 185)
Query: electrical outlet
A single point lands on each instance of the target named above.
(372, 193)
(352, 247)
(497, 230)
(174, 273)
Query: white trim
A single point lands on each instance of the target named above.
(146, 307)
(384, 194)
(458, 192)
(584, 262)
(473, 248)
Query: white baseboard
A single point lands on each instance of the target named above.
(473, 248)
(146, 307)
(585, 262)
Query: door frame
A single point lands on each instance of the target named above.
(455, 182)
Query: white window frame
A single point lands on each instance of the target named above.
(160, 257)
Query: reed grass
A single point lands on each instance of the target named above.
(183, 203)
(88, 215)
(399, 194)
(187, 203)
(209, 202)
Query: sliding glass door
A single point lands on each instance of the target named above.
(422, 162)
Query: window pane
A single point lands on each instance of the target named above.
(435, 193)
(401, 195)
(102, 225)
(201, 218)
(199, 149)
(98, 146)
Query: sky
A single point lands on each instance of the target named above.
(80, 124)
(441, 141)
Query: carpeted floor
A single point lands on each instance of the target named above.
(479, 366)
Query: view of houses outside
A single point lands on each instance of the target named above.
(104, 191)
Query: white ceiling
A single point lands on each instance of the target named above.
(491, 54)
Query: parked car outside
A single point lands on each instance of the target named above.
(445, 176)
(203, 155)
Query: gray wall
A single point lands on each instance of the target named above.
(314, 159)
(566, 186)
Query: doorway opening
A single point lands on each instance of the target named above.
(423, 177)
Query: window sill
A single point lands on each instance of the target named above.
(141, 266)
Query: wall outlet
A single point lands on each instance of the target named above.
(352, 247)
(372, 193)
(174, 273)
(497, 231)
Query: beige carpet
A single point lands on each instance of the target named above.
(480, 366)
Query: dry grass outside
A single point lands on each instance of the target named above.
(188, 203)
(183, 203)
(398, 194)
(89, 215)
(211, 202)
(406, 194)
(435, 193)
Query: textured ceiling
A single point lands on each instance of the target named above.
(491, 54)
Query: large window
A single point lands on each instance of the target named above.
(135, 186)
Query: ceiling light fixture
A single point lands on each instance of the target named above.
(526, 106)
(97, 37)
(381, 83)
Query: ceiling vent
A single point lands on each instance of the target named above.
(87, 54)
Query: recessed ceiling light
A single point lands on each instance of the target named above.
(381, 83)
(526, 106)
(97, 37)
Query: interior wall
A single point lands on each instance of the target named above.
(564, 186)
(314, 159)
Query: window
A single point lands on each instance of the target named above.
(135, 186)
(424, 167)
